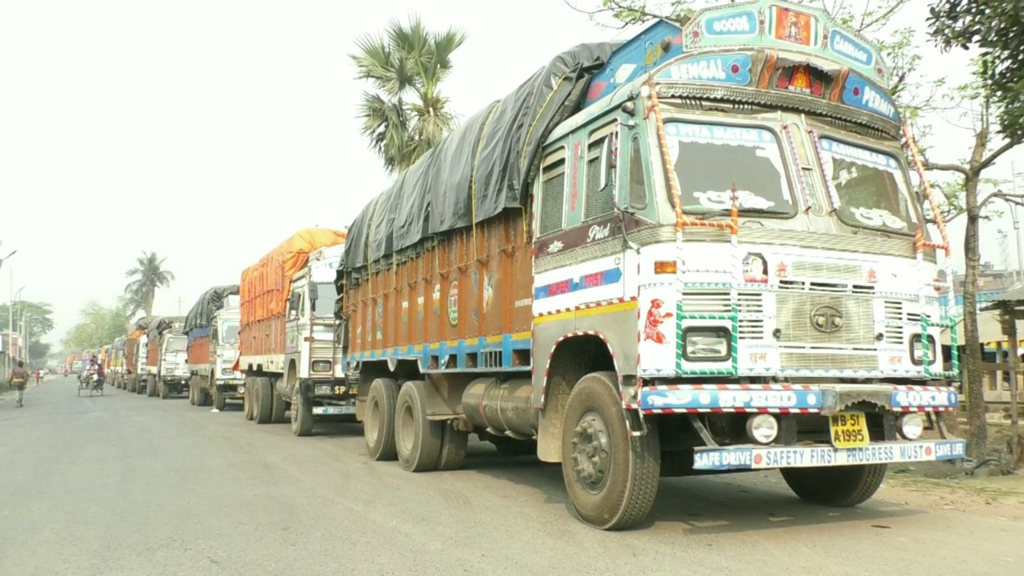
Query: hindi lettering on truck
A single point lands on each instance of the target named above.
(288, 347)
(694, 251)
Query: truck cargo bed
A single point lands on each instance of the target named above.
(448, 303)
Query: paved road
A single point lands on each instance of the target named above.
(126, 484)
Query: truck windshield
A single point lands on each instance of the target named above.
(713, 159)
(176, 344)
(229, 333)
(323, 306)
(871, 188)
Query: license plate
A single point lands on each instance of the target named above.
(848, 430)
(333, 410)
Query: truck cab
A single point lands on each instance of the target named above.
(173, 370)
(312, 356)
(224, 349)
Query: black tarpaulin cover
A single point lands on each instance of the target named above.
(162, 324)
(207, 305)
(144, 322)
(491, 159)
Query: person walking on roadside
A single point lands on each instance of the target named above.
(37, 377)
(18, 379)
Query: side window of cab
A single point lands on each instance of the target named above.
(553, 184)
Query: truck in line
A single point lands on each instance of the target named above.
(211, 327)
(135, 356)
(167, 370)
(287, 341)
(697, 251)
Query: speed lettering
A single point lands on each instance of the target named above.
(756, 399)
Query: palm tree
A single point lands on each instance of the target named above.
(147, 275)
(405, 114)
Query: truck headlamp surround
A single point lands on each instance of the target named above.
(917, 350)
(707, 344)
(321, 365)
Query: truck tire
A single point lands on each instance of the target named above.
(165, 392)
(836, 486)
(302, 414)
(278, 406)
(202, 396)
(417, 439)
(192, 392)
(151, 386)
(379, 423)
(453, 448)
(135, 385)
(247, 402)
(262, 400)
(610, 475)
(219, 400)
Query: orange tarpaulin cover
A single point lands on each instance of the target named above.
(265, 285)
(136, 335)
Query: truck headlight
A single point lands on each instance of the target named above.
(910, 425)
(321, 366)
(917, 350)
(226, 372)
(706, 344)
(322, 389)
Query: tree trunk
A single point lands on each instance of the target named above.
(977, 445)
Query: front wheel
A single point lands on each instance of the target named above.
(165, 392)
(610, 475)
(837, 486)
(302, 414)
(219, 400)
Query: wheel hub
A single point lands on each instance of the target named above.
(591, 454)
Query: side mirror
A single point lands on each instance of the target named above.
(293, 301)
(314, 292)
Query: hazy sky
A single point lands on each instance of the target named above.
(209, 131)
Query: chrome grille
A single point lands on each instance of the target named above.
(893, 322)
(850, 272)
(751, 309)
(797, 361)
(794, 319)
(321, 349)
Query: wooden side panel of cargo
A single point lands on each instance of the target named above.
(153, 352)
(465, 286)
(199, 350)
(131, 345)
(262, 337)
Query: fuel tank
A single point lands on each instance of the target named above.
(502, 408)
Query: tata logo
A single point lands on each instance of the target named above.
(845, 46)
(826, 319)
(598, 232)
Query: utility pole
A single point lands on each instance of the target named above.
(1019, 273)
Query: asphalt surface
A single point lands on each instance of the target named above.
(125, 484)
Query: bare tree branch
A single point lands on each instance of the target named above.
(947, 168)
(1006, 147)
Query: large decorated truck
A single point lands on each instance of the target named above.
(211, 327)
(288, 346)
(135, 356)
(696, 251)
(166, 363)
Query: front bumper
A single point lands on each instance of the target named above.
(180, 380)
(752, 457)
(333, 410)
(791, 398)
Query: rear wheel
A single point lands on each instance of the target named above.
(417, 439)
(192, 393)
(262, 399)
(838, 486)
(247, 403)
(610, 475)
(302, 414)
(379, 424)
(202, 394)
(151, 386)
